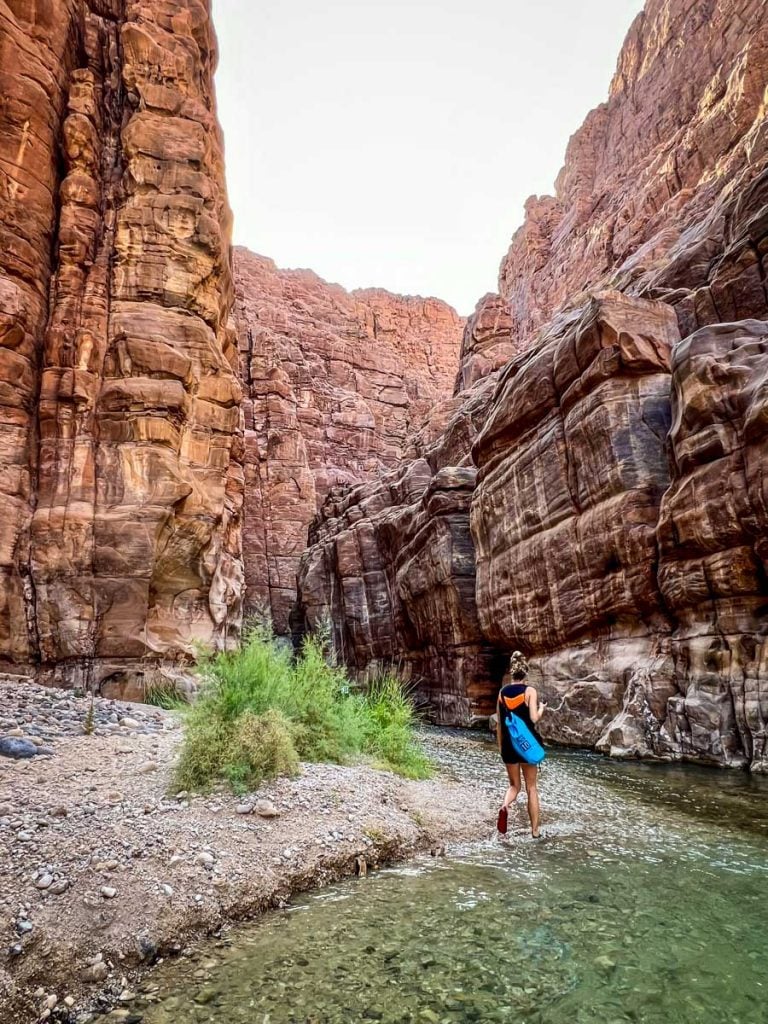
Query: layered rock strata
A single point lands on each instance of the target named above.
(121, 486)
(618, 517)
(391, 570)
(641, 195)
(334, 383)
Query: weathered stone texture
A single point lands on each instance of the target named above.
(335, 381)
(391, 567)
(488, 341)
(618, 518)
(713, 544)
(572, 468)
(121, 391)
(683, 129)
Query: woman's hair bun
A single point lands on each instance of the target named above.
(518, 664)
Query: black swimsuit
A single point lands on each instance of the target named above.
(508, 753)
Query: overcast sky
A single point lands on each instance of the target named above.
(394, 142)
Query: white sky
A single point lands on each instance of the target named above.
(394, 142)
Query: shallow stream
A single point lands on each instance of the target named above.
(645, 902)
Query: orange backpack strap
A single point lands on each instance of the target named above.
(513, 702)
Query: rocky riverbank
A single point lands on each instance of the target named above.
(107, 867)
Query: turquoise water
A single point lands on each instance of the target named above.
(645, 903)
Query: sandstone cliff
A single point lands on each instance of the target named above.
(617, 462)
(120, 487)
(334, 382)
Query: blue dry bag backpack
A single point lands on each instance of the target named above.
(524, 743)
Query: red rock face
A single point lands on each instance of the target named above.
(121, 432)
(334, 382)
(618, 516)
(391, 568)
(488, 341)
(683, 130)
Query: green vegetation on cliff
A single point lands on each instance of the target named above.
(261, 711)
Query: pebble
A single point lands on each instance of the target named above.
(129, 723)
(244, 809)
(206, 859)
(44, 881)
(95, 972)
(108, 892)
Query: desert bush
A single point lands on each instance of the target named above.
(260, 711)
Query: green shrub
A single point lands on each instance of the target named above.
(390, 722)
(260, 711)
(260, 748)
(165, 696)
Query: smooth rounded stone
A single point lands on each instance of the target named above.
(244, 809)
(17, 749)
(129, 723)
(59, 887)
(108, 892)
(266, 809)
(207, 860)
(44, 881)
(95, 972)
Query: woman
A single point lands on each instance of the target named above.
(530, 711)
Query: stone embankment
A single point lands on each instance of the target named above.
(108, 867)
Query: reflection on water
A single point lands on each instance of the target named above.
(644, 903)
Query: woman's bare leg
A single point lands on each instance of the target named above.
(531, 776)
(513, 771)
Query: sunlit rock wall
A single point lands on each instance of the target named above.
(121, 486)
(335, 381)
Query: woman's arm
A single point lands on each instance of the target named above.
(498, 722)
(535, 709)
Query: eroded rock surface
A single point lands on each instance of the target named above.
(121, 432)
(335, 381)
(391, 569)
(645, 177)
(618, 516)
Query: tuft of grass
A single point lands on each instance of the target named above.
(260, 711)
(165, 696)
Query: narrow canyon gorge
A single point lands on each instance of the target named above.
(190, 435)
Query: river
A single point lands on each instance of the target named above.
(645, 902)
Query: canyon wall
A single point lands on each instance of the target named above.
(334, 383)
(121, 483)
(608, 459)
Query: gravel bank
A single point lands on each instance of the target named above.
(105, 868)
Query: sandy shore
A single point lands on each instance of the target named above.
(105, 868)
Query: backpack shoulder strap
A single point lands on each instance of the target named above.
(510, 703)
